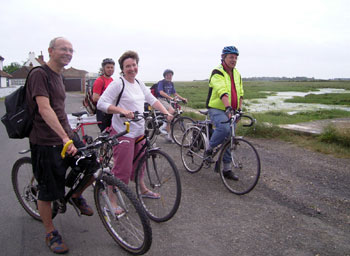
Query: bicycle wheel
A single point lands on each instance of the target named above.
(159, 173)
(130, 229)
(192, 149)
(179, 127)
(26, 187)
(245, 163)
(150, 126)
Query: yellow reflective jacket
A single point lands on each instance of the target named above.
(220, 84)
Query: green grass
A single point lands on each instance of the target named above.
(332, 141)
(328, 98)
(279, 117)
(336, 136)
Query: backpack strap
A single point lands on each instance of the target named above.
(48, 82)
(121, 93)
(104, 84)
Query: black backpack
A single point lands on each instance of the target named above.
(18, 120)
(88, 103)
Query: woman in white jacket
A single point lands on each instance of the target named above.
(132, 99)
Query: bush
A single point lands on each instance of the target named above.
(340, 136)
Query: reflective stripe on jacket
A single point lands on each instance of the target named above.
(220, 84)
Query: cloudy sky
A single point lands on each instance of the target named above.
(275, 37)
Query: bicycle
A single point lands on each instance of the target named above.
(177, 126)
(130, 228)
(180, 123)
(159, 173)
(245, 160)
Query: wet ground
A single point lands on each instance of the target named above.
(317, 127)
(276, 102)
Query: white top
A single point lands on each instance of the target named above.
(133, 99)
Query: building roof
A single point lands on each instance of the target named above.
(74, 73)
(4, 74)
(21, 73)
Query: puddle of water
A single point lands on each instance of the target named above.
(276, 102)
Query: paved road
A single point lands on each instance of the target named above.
(301, 206)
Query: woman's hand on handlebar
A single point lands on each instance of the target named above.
(169, 117)
(129, 114)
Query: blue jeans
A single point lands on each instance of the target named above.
(221, 131)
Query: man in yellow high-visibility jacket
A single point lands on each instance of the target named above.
(225, 94)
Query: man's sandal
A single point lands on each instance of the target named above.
(55, 243)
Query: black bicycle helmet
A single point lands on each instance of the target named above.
(230, 50)
(107, 61)
(167, 71)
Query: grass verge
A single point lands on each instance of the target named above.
(333, 141)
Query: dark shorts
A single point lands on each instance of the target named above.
(50, 170)
(104, 118)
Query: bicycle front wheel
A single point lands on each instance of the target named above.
(179, 127)
(192, 149)
(128, 225)
(245, 163)
(157, 171)
(26, 187)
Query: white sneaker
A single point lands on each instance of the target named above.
(169, 139)
(163, 131)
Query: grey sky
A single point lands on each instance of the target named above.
(275, 38)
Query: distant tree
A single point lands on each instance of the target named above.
(12, 67)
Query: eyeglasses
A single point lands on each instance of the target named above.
(65, 49)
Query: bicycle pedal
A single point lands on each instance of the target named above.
(206, 164)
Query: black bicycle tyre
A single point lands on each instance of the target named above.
(29, 192)
(179, 124)
(173, 172)
(146, 226)
(151, 126)
(192, 147)
(254, 178)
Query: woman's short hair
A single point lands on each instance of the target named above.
(126, 55)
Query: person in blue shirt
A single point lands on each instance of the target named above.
(167, 92)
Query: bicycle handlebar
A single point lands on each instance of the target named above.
(98, 142)
(138, 116)
(238, 115)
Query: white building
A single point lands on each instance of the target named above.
(3, 75)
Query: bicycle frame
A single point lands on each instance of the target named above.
(205, 129)
(84, 178)
(81, 124)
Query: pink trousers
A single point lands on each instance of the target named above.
(123, 155)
